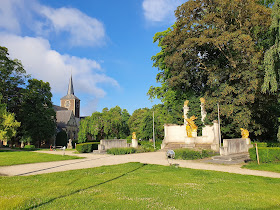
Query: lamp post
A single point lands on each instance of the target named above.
(220, 138)
(154, 141)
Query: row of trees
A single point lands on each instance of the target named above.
(118, 123)
(227, 52)
(25, 104)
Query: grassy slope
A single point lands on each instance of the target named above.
(138, 186)
(8, 157)
(275, 167)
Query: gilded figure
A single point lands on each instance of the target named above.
(244, 133)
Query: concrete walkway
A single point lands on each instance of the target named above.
(95, 160)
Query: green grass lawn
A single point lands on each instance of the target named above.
(274, 167)
(11, 157)
(139, 186)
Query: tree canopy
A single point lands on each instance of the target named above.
(215, 50)
(12, 80)
(37, 114)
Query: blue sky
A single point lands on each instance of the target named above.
(107, 45)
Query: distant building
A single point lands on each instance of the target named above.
(68, 113)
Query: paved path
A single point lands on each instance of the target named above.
(95, 160)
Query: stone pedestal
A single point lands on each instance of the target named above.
(194, 134)
(134, 143)
(69, 145)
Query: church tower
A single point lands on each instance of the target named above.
(70, 101)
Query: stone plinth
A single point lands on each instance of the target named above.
(112, 143)
(235, 146)
(134, 143)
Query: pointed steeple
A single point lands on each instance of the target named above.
(70, 92)
(70, 87)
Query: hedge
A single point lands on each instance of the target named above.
(121, 151)
(260, 144)
(87, 147)
(266, 154)
(31, 147)
(187, 154)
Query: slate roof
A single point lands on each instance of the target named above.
(58, 108)
(62, 117)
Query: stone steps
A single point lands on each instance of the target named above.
(203, 146)
(233, 157)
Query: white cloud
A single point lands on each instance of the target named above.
(77, 28)
(8, 18)
(83, 30)
(160, 10)
(46, 64)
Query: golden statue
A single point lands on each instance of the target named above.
(134, 135)
(190, 127)
(244, 133)
(186, 103)
(202, 100)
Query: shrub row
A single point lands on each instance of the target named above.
(29, 147)
(266, 154)
(266, 144)
(187, 154)
(121, 151)
(129, 150)
(87, 147)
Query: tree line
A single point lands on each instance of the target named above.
(118, 123)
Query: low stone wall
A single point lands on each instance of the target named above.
(174, 133)
(112, 143)
(235, 146)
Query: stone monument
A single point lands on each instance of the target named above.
(134, 140)
(69, 145)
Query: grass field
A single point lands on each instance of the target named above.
(139, 186)
(275, 166)
(11, 157)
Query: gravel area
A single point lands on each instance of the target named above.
(95, 160)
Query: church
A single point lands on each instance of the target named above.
(68, 113)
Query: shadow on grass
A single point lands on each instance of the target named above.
(77, 191)
(16, 150)
(66, 164)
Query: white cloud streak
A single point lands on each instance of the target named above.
(160, 10)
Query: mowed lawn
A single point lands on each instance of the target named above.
(11, 157)
(274, 167)
(139, 186)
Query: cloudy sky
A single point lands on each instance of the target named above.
(107, 45)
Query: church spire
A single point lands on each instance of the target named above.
(70, 87)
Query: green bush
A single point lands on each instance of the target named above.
(30, 147)
(87, 147)
(266, 154)
(121, 151)
(260, 144)
(273, 144)
(147, 145)
(188, 154)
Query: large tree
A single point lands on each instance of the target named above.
(215, 50)
(272, 56)
(37, 114)
(12, 80)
